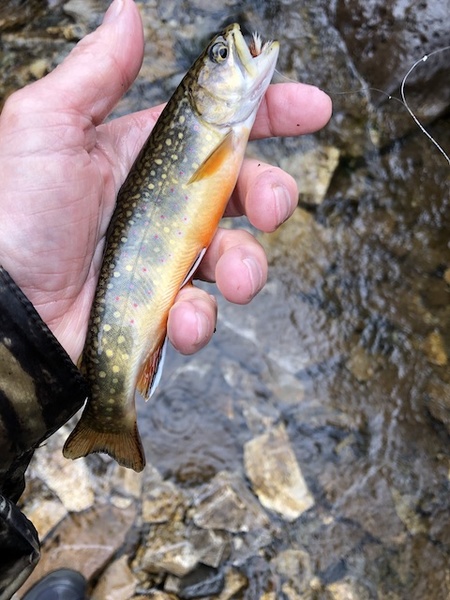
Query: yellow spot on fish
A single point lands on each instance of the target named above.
(129, 268)
(109, 353)
(182, 119)
(158, 161)
(120, 339)
(115, 369)
(117, 314)
(106, 327)
(116, 274)
(151, 186)
(166, 229)
(102, 374)
(168, 142)
(112, 400)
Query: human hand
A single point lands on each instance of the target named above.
(61, 168)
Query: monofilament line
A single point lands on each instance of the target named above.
(416, 120)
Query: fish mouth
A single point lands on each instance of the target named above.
(251, 55)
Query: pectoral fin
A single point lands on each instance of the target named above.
(214, 161)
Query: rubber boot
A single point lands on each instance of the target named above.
(63, 584)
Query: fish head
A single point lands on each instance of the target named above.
(230, 77)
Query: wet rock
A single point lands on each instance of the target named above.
(370, 498)
(226, 504)
(408, 511)
(70, 480)
(200, 583)
(438, 400)
(384, 42)
(169, 549)
(294, 566)
(275, 474)
(434, 349)
(116, 583)
(348, 589)
(361, 364)
(213, 546)
(447, 276)
(45, 514)
(84, 541)
(235, 582)
(313, 172)
(162, 503)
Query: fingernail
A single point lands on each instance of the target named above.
(113, 11)
(202, 328)
(282, 203)
(255, 274)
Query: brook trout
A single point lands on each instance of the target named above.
(166, 215)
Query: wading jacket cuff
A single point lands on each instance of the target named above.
(40, 389)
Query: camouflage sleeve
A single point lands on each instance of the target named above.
(40, 389)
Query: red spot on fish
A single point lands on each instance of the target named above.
(135, 304)
(144, 269)
(132, 321)
(117, 298)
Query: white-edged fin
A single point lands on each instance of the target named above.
(194, 267)
(159, 370)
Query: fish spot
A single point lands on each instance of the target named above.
(109, 353)
(152, 172)
(117, 314)
(182, 119)
(115, 369)
(174, 156)
(151, 186)
(158, 161)
(102, 374)
(120, 339)
(168, 142)
(129, 268)
(111, 400)
(116, 274)
(166, 229)
(106, 327)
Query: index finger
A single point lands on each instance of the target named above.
(290, 109)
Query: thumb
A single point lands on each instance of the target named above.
(98, 71)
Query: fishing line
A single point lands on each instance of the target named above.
(401, 100)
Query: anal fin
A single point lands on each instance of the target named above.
(151, 372)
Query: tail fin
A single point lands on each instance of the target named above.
(124, 446)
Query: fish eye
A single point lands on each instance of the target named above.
(218, 52)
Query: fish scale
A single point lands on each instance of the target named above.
(166, 214)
